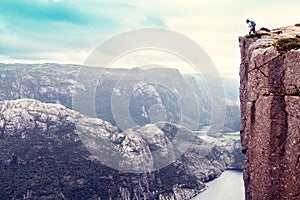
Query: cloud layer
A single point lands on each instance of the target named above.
(68, 30)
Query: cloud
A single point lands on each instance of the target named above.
(33, 29)
(30, 29)
(46, 11)
(62, 30)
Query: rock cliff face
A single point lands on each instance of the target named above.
(270, 116)
(43, 156)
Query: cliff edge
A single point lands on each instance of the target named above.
(270, 114)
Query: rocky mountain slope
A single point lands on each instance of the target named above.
(44, 155)
(270, 107)
(152, 94)
(232, 116)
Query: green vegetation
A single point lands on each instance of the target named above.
(234, 135)
(295, 92)
(52, 170)
(286, 44)
(172, 175)
(58, 168)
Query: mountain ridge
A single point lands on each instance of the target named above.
(56, 83)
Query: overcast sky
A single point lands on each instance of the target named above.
(67, 31)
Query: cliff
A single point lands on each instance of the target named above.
(270, 114)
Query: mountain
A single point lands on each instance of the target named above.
(232, 114)
(75, 132)
(51, 152)
(270, 114)
(127, 98)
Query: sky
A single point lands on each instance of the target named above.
(67, 31)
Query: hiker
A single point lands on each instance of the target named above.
(252, 25)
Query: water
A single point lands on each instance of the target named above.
(229, 186)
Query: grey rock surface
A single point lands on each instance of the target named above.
(269, 95)
(44, 154)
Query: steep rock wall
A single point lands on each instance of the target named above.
(270, 117)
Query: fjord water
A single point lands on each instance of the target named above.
(229, 186)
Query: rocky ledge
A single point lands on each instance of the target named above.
(270, 114)
(44, 155)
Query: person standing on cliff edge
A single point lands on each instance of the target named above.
(252, 25)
